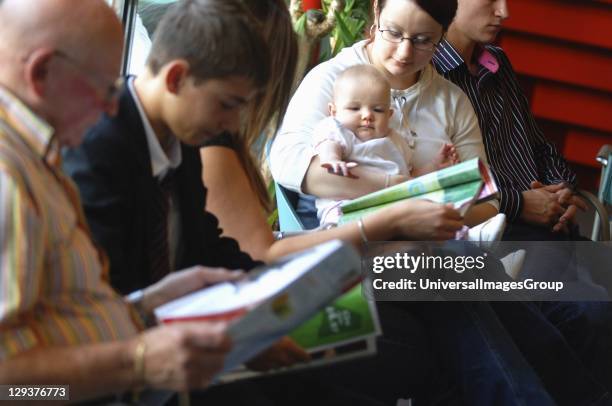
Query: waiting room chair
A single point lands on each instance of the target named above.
(286, 201)
(601, 226)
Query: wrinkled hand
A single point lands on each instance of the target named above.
(569, 202)
(341, 168)
(184, 356)
(282, 354)
(423, 220)
(541, 205)
(179, 283)
(566, 219)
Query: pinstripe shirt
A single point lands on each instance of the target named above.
(516, 149)
(53, 288)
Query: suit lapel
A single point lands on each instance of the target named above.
(135, 131)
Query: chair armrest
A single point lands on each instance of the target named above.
(603, 154)
(602, 213)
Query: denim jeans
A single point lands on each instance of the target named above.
(472, 364)
(587, 328)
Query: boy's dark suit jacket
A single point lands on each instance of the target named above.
(112, 169)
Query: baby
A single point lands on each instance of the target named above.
(357, 132)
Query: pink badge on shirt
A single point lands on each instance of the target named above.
(489, 61)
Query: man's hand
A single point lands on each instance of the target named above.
(541, 205)
(569, 202)
(282, 354)
(183, 356)
(566, 220)
(179, 283)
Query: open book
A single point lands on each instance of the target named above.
(463, 185)
(344, 330)
(271, 301)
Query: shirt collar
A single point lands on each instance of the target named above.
(161, 162)
(447, 58)
(33, 130)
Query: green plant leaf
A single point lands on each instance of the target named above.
(344, 33)
(325, 5)
(300, 25)
(349, 6)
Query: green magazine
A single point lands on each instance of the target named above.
(463, 184)
(350, 318)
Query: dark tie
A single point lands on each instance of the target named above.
(160, 251)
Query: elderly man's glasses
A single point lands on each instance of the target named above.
(110, 91)
(418, 42)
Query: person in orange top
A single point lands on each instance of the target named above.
(60, 321)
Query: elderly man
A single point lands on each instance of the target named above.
(60, 60)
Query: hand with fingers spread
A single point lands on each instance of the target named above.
(183, 356)
(282, 354)
(330, 156)
(338, 167)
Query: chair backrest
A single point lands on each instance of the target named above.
(605, 184)
(286, 201)
(603, 223)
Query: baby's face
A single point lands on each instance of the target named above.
(363, 109)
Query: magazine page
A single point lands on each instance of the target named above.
(462, 196)
(344, 330)
(348, 319)
(461, 173)
(272, 301)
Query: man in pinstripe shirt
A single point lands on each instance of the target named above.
(536, 184)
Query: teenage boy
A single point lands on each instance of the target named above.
(139, 171)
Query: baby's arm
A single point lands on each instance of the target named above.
(446, 156)
(330, 155)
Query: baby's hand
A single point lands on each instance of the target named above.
(447, 156)
(340, 168)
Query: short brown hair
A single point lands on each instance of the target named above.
(216, 37)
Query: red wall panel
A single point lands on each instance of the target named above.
(562, 50)
(576, 21)
(567, 63)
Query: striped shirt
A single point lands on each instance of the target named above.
(516, 149)
(53, 288)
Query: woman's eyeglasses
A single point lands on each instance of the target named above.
(396, 37)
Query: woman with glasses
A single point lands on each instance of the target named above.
(469, 343)
(429, 111)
